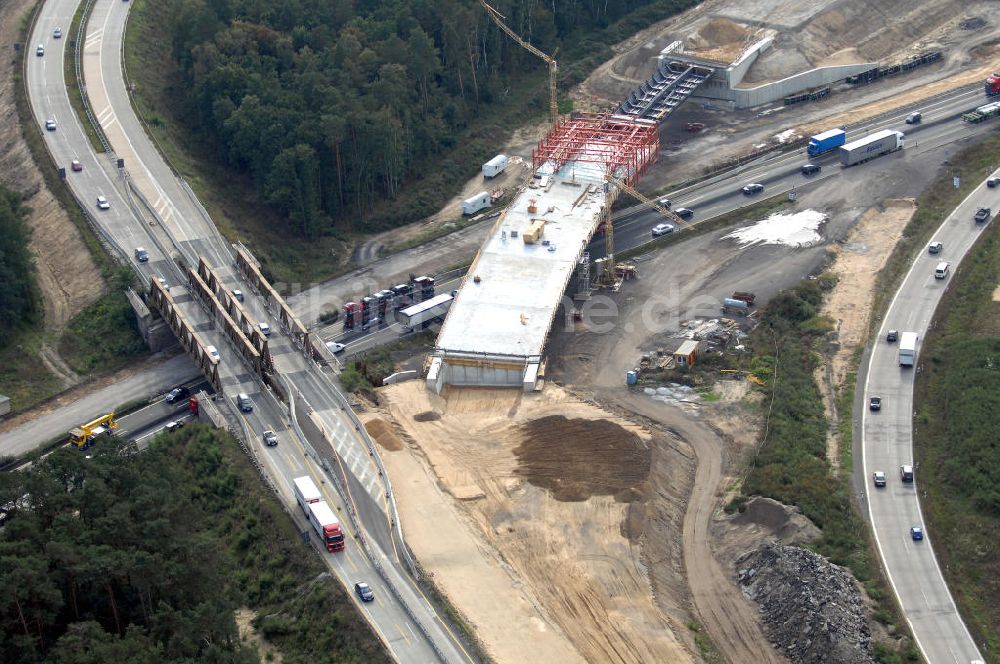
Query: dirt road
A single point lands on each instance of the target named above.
(730, 620)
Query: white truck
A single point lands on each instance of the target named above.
(423, 313)
(306, 493)
(907, 349)
(871, 146)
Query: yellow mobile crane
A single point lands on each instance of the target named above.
(550, 60)
(85, 435)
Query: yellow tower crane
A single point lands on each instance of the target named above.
(550, 60)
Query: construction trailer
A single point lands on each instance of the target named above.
(478, 202)
(495, 166)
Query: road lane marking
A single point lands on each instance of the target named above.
(402, 633)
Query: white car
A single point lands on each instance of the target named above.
(662, 229)
(336, 347)
(57, 33)
(238, 294)
(50, 124)
(40, 51)
(213, 354)
(103, 203)
(164, 284)
(265, 329)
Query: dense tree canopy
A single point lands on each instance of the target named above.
(334, 105)
(122, 556)
(18, 295)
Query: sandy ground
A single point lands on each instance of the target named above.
(68, 277)
(858, 260)
(248, 634)
(547, 500)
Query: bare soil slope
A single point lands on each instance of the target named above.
(68, 277)
(560, 496)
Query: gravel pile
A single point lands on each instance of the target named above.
(811, 609)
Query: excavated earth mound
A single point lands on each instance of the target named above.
(578, 458)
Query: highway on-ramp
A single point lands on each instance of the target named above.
(887, 444)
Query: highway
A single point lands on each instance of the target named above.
(721, 194)
(175, 223)
(887, 443)
(152, 208)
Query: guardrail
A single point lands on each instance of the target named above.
(81, 83)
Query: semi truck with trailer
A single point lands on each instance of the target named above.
(306, 493)
(327, 526)
(907, 349)
(871, 146)
(421, 315)
(828, 140)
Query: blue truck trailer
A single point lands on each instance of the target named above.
(828, 140)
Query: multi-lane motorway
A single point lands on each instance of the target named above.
(157, 211)
(887, 444)
(174, 225)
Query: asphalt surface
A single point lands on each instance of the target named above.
(162, 215)
(887, 444)
(188, 230)
(64, 417)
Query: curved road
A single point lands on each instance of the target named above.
(188, 230)
(887, 443)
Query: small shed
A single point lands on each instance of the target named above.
(476, 203)
(685, 355)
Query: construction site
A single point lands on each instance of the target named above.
(570, 518)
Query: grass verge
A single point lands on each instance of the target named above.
(73, 85)
(709, 655)
(791, 465)
(23, 376)
(956, 400)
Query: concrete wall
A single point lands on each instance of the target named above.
(807, 80)
(153, 329)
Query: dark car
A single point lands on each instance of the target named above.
(875, 403)
(935, 248)
(753, 188)
(270, 438)
(174, 426)
(917, 533)
(983, 214)
(176, 394)
(809, 169)
(684, 213)
(891, 336)
(993, 182)
(364, 592)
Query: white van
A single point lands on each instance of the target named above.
(941, 271)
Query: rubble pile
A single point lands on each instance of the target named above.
(811, 609)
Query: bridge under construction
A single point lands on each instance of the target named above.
(496, 330)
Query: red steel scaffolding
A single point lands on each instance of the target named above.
(624, 146)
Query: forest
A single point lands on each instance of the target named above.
(334, 107)
(118, 555)
(19, 297)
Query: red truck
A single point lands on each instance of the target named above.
(745, 297)
(321, 517)
(993, 85)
